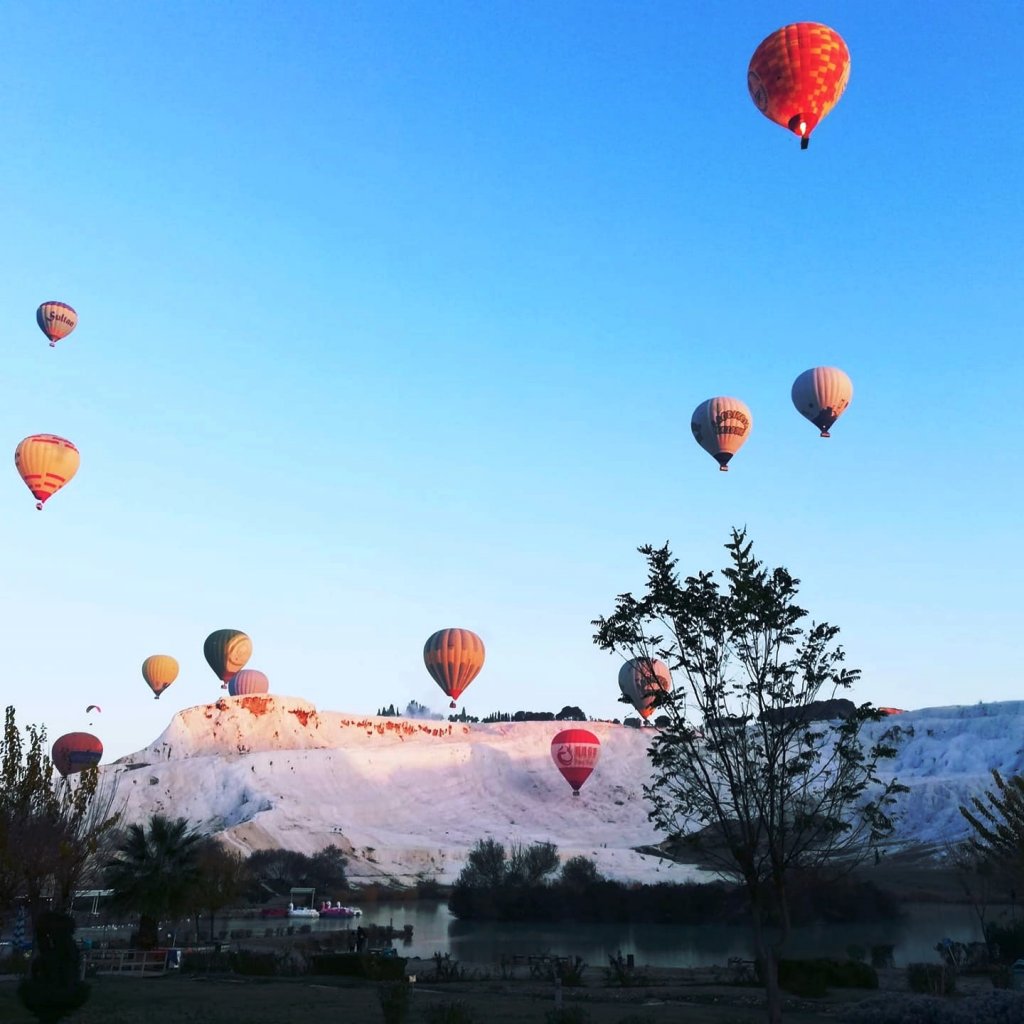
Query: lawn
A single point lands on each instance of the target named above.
(177, 999)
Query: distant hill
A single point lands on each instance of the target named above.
(407, 798)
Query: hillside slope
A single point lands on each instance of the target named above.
(407, 798)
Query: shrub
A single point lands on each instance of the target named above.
(569, 971)
(394, 1001)
(447, 969)
(359, 965)
(931, 979)
(258, 965)
(1005, 940)
(994, 1007)
(619, 972)
(567, 1015)
(449, 1013)
(811, 978)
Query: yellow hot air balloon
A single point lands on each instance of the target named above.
(159, 671)
(46, 463)
(822, 394)
(721, 426)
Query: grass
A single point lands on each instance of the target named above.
(182, 999)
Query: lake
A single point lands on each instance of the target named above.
(656, 945)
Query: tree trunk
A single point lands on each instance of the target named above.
(768, 966)
(148, 932)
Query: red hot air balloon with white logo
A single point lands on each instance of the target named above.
(56, 320)
(575, 753)
(454, 658)
(822, 394)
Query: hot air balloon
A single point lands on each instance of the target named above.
(797, 75)
(822, 395)
(454, 658)
(575, 752)
(721, 426)
(641, 680)
(159, 671)
(46, 463)
(249, 680)
(226, 652)
(75, 752)
(56, 320)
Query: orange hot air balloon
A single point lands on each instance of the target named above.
(46, 463)
(159, 671)
(75, 752)
(56, 320)
(721, 427)
(226, 652)
(454, 658)
(797, 75)
(575, 752)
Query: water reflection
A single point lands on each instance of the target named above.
(663, 945)
(434, 930)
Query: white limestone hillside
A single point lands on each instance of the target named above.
(407, 798)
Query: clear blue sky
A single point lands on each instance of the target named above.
(393, 315)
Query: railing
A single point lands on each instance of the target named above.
(148, 962)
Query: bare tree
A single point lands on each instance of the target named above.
(744, 767)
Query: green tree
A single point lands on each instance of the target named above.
(154, 872)
(50, 828)
(997, 823)
(742, 770)
(579, 874)
(221, 877)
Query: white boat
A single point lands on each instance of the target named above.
(294, 911)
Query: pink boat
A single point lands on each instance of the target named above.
(337, 910)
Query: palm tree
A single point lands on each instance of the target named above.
(154, 872)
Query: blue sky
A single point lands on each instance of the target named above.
(393, 315)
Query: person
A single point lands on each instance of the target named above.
(361, 938)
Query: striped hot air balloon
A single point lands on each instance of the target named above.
(56, 320)
(575, 753)
(721, 426)
(797, 75)
(46, 463)
(159, 671)
(454, 658)
(248, 681)
(822, 394)
(642, 680)
(226, 652)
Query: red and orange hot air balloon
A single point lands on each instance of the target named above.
(797, 75)
(454, 658)
(575, 753)
(75, 752)
(56, 320)
(46, 463)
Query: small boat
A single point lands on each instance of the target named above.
(337, 910)
(274, 912)
(294, 911)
